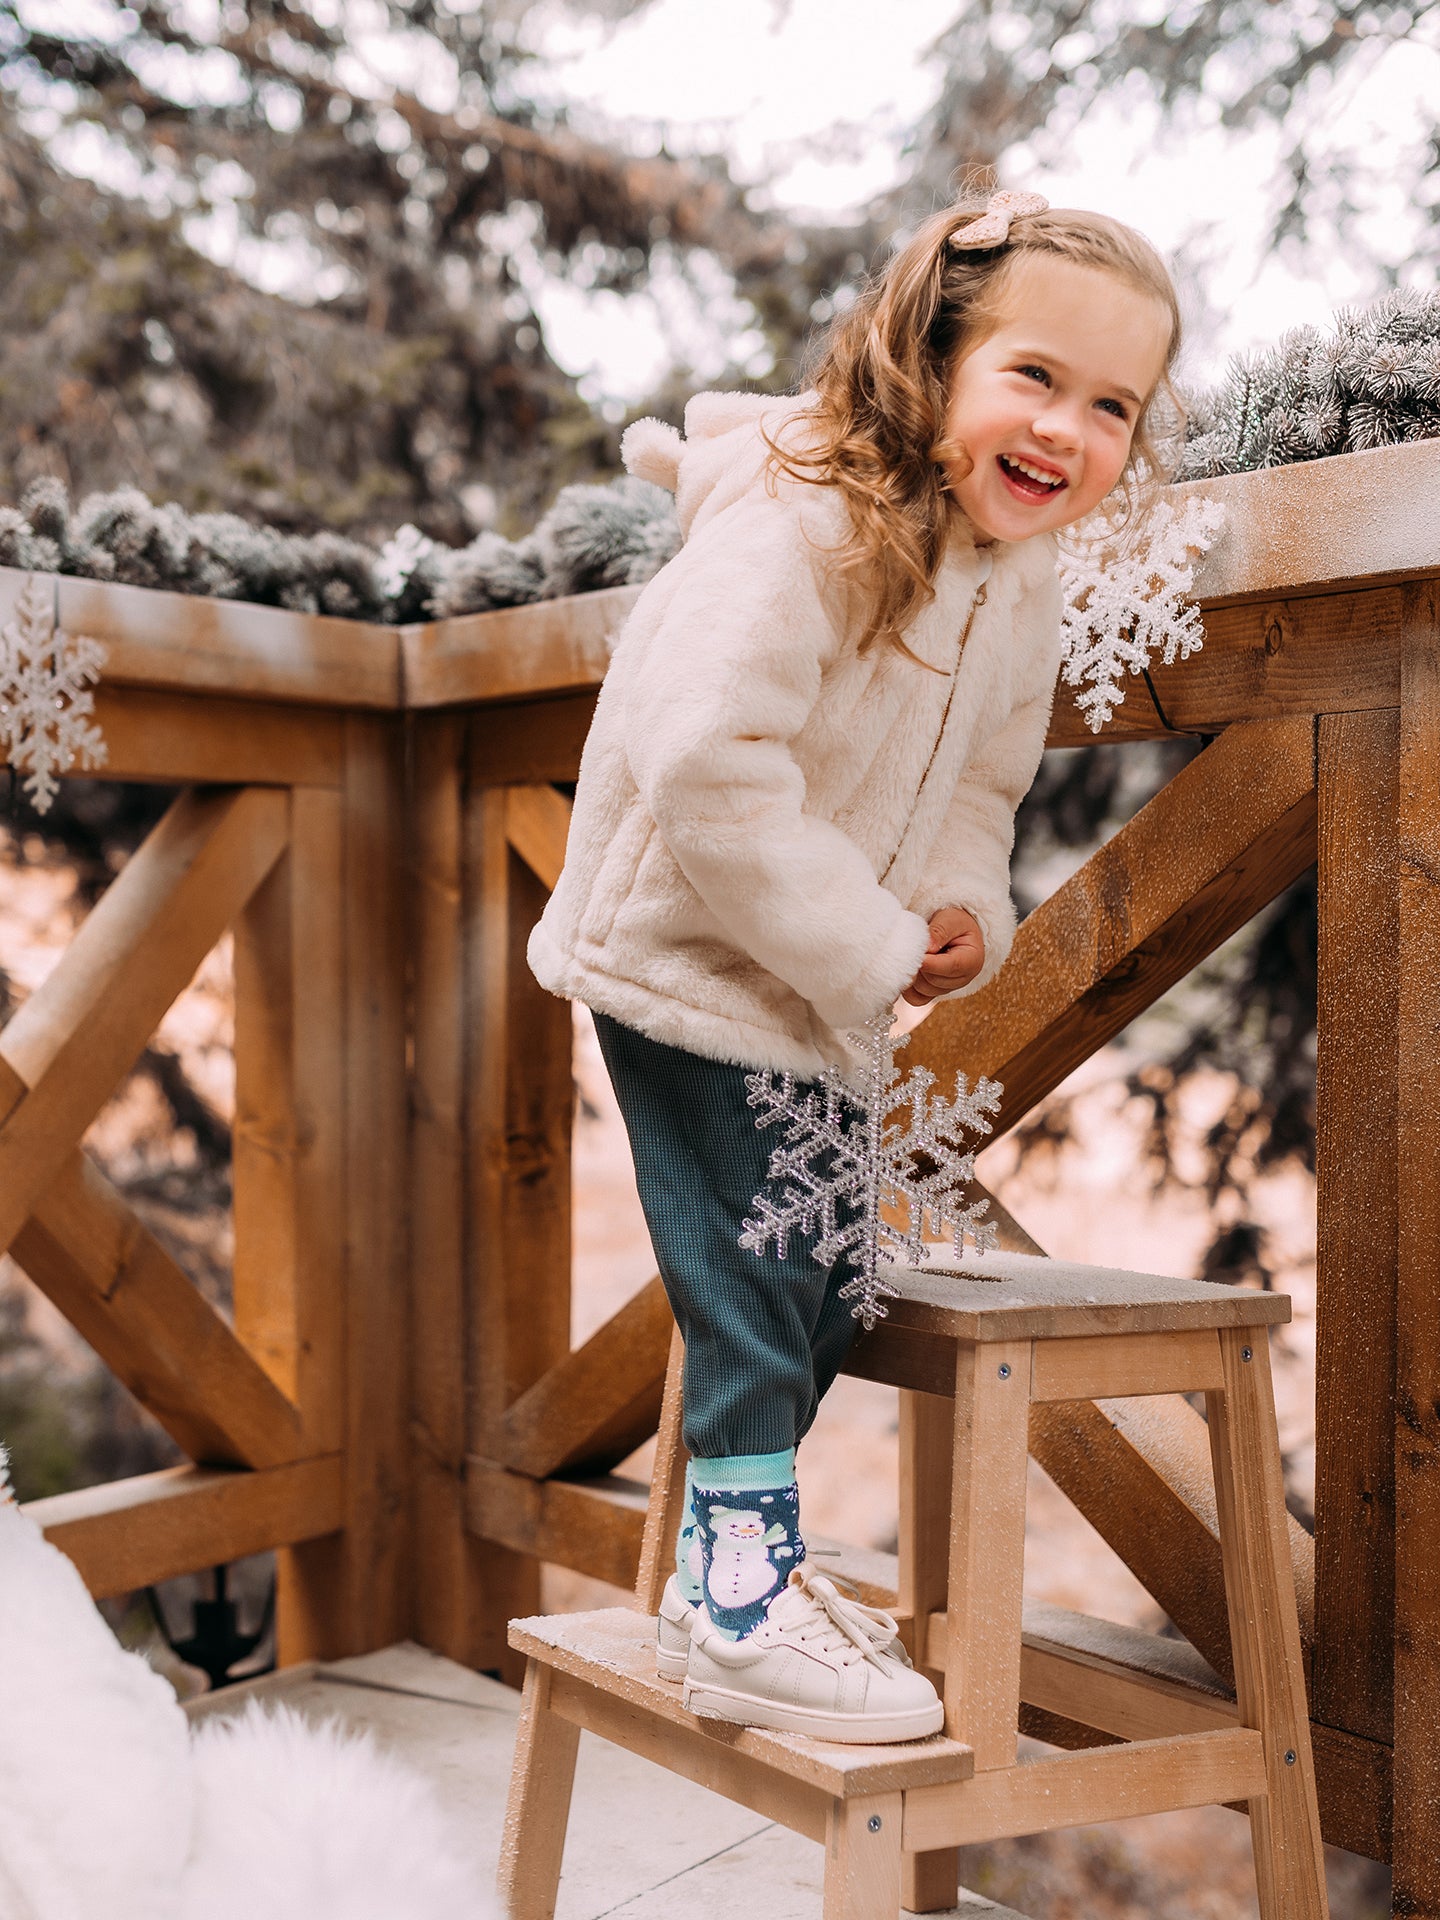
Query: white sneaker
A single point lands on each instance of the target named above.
(672, 1632)
(816, 1664)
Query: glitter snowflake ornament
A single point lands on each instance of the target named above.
(844, 1163)
(1127, 597)
(45, 703)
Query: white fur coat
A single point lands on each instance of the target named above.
(766, 818)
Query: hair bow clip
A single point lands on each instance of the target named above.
(992, 229)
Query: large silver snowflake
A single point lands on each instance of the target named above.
(1127, 596)
(45, 704)
(845, 1167)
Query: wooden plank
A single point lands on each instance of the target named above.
(1336, 653)
(987, 1550)
(1227, 834)
(1134, 1685)
(185, 738)
(132, 1533)
(123, 1293)
(448, 1578)
(530, 742)
(1417, 1301)
(538, 1809)
(595, 1407)
(1078, 1789)
(862, 1858)
(78, 1033)
(518, 1126)
(592, 1526)
(930, 1881)
(180, 641)
(1357, 1178)
(288, 1165)
(1112, 1365)
(1264, 1631)
(610, 1653)
(552, 646)
(537, 821)
(376, 1580)
(665, 1511)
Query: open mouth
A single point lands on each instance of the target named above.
(1027, 480)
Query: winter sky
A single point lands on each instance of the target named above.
(769, 81)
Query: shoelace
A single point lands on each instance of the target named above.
(841, 1621)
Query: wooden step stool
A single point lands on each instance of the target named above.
(972, 1346)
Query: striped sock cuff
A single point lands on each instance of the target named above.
(744, 1470)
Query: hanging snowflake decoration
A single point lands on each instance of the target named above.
(1127, 597)
(843, 1162)
(45, 703)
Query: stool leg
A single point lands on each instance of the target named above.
(539, 1806)
(1264, 1628)
(862, 1858)
(987, 1550)
(931, 1881)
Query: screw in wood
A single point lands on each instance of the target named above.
(1290, 1757)
(875, 1822)
(1244, 1353)
(1004, 1369)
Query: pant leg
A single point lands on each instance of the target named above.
(751, 1323)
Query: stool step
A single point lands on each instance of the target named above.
(611, 1655)
(1020, 1296)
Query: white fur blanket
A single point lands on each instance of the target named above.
(111, 1810)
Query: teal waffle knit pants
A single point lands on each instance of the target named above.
(764, 1337)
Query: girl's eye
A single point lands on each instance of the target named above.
(1035, 373)
(1117, 408)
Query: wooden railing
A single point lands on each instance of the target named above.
(398, 1409)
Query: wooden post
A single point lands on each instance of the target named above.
(518, 1125)
(1357, 1222)
(1416, 1845)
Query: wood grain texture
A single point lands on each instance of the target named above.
(182, 739)
(552, 646)
(930, 1881)
(1357, 1179)
(537, 820)
(1216, 844)
(1265, 1631)
(532, 741)
(83, 1028)
(592, 1526)
(665, 1514)
(132, 1533)
(123, 1293)
(448, 1575)
(538, 1809)
(862, 1858)
(1417, 1295)
(595, 1407)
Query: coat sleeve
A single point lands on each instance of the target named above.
(727, 680)
(969, 864)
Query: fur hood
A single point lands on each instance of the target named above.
(766, 816)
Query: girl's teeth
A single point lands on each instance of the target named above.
(1033, 473)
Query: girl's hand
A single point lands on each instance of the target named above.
(955, 955)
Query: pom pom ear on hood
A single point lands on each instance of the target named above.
(651, 451)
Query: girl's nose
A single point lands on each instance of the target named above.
(1060, 426)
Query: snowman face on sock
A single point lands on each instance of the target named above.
(741, 1570)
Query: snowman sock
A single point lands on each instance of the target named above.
(689, 1562)
(747, 1509)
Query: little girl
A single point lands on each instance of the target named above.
(796, 805)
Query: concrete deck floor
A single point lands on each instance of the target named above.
(642, 1844)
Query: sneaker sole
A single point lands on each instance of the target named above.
(670, 1666)
(851, 1729)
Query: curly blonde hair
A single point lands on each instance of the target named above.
(882, 384)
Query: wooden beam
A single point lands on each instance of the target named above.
(449, 1569)
(1357, 1178)
(592, 1526)
(183, 739)
(143, 1315)
(1228, 833)
(593, 1409)
(1416, 1858)
(531, 741)
(537, 820)
(132, 1533)
(551, 647)
(78, 1033)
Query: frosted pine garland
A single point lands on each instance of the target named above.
(843, 1161)
(1127, 598)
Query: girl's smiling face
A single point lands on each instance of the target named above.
(1045, 406)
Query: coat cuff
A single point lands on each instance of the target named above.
(887, 973)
